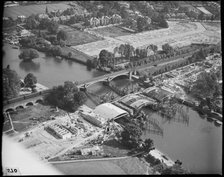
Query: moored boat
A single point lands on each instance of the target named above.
(217, 123)
(210, 119)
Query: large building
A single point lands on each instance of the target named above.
(89, 115)
(102, 113)
(59, 130)
(109, 111)
(137, 101)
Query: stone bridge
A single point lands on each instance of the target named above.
(35, 98)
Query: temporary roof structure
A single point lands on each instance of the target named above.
(110, 111)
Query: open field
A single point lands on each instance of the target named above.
(126, 165)
(89, 168)
(177, 35)
(32, 9)
(112, 31)
(22, 118)
(76, 37)
(94, 48)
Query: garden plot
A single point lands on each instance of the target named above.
(76, 37)
(94, 48)
(175, 32)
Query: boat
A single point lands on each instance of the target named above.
(58, 57)
(210, 119)
(217, 123)
(202, 114)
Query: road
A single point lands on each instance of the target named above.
(89, 160)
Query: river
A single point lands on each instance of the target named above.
(198, 145)
(48, 70)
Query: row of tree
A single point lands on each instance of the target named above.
(39, 44)
(128, 53)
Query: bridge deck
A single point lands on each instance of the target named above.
(22, 102)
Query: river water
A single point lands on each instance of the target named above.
(197, 144)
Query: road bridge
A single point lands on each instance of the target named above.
(23, 101)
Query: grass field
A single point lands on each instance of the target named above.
(89, 168)
(76, 37)
(112, 31)
(32, 9)
(21, 118)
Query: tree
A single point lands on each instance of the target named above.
(69, 54)
(148, 144)
(53, 27)
(66, 96)
(104, 57)
(11, 83)
(153, 47)
(167, 48)
(31, 22)
(44, 23)
(30, 80)
(28, 54)
(131, 135)
(205, 86)
(80, 97)
(121, 50)
(62, 35)
(128, 51)
(55, 51)
(163, 23)
(46, 10)
(142, 24)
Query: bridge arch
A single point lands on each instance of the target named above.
(122, 75)
(10, 110)
(29, 104)
(20, 107)
(90, 84)
(40, 101)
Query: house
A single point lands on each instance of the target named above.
(158, 7)
(59, 131)
(94, 22)
(104, 20)
(148, 20)
(124, 4)
(5, 18)
(55, 19)
(205, 11)
(43, 16)
(190, 8)
(56, 12)
(93, 150)
(24, 33)
(21, 18)
(11, 3)
(214, 5)
(116, 18)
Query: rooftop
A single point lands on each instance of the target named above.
(110, 111)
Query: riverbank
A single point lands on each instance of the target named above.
(141, 166)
